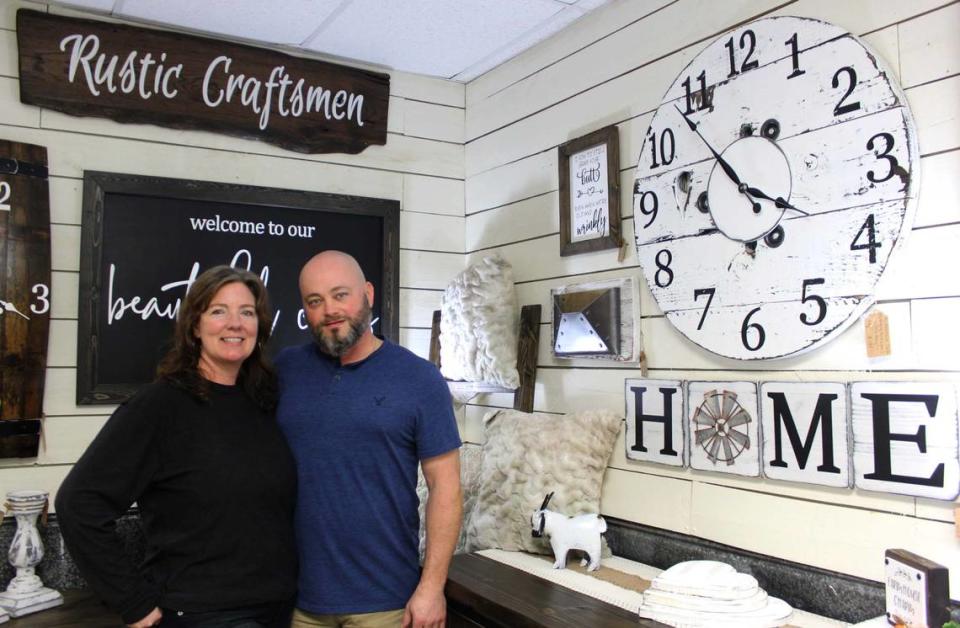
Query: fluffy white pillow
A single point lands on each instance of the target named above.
(478, 325)
(526, 456)
(469, 481)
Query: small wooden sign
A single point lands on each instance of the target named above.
(722, 427)
(655, 425)
(917, 590)
(131, 74)
(589, 175)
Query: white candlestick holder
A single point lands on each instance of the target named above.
(26, 594)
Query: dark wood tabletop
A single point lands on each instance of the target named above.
(483, 592)
(80, 609)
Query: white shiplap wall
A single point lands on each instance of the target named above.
(612, 68)
(421, 166)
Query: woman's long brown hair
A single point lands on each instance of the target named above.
(181, 363)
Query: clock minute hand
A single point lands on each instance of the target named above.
(727, 168)
(779, 201)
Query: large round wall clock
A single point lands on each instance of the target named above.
(779, 173)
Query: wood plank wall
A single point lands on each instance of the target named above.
(613, 67)
(421, 166)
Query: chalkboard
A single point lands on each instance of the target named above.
(144, 240)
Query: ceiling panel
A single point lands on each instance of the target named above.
(277, 21)
(437, 37)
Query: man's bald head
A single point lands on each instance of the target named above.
(334, 263)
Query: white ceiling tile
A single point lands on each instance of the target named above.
(436, 37)
(526, 40)
(276, 21)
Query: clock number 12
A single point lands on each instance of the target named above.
(747, 40)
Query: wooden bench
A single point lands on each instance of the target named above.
(483, 592)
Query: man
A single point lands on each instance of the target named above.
(360, 413)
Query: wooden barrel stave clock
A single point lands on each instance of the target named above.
(24, 295)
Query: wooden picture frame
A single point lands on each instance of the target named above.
(144, 239)
(589, 176)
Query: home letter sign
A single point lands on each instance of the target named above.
(655, 421)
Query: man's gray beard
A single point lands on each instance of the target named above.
(336, 346)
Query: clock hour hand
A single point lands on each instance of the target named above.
(727, 168)
(779, 201)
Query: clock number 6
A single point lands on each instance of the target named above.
(821, 304)
(663, 267)
(884, 154)
(747, 326)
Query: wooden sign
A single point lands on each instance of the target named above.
(804, 430)
(131, 74)
(589, 176)
(722, 427)
(144, 240)
(917, 590)
(24, 294)
(655, 425)
(905, 438)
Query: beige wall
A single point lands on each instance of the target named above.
(421, 166)
(475, 170)
(612, 68)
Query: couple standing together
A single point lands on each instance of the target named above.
(241, 474)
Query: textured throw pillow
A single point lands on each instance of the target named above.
(469, 481)
(526, 456)
(478, 325)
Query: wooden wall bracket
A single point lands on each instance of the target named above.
(528, 342)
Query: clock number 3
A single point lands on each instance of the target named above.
(884, 154)
(42, 293)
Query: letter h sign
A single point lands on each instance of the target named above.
(655, 421)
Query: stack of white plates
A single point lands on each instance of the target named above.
(702, 593)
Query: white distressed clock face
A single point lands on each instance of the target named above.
(778, 175)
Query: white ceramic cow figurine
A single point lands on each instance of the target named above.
(566, 533)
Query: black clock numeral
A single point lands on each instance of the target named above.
(663, 267)
(748, 39)
(884, 154)
(821, 304)
(841, 108)
(868, 227)
(747, 326)
(701, 97)
(699, 292)
(5, 192)
(666, 154)
(652, 209)
(795, 57)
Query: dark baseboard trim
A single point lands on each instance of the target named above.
(804, 587)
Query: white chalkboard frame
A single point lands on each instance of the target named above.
(92, 388)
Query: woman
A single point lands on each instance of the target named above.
(200, 453)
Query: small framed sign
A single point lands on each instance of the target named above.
(917, 590)
(589, 169)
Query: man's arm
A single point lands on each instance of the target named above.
(427, 607)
